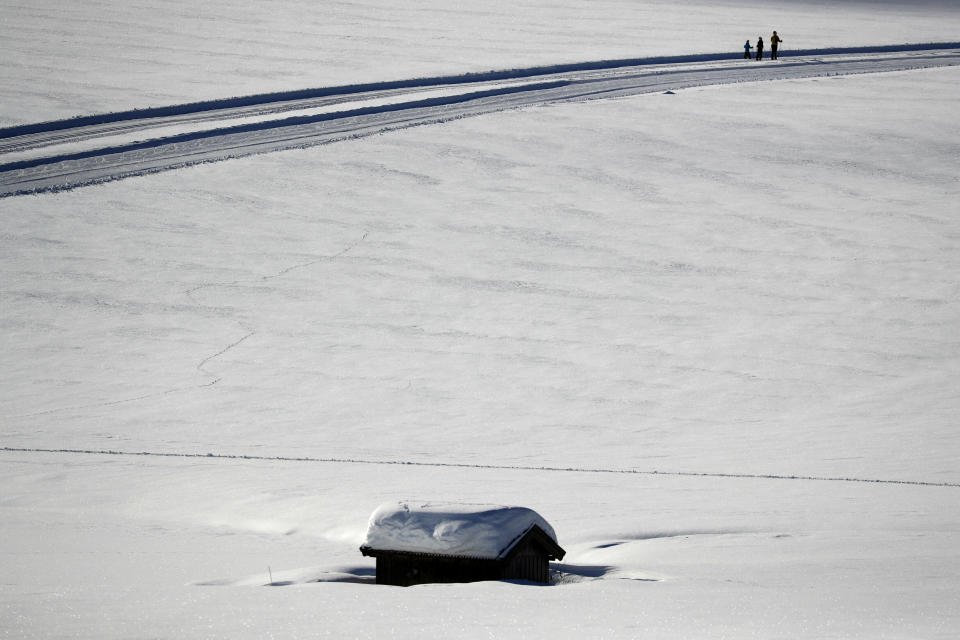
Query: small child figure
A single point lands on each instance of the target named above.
(746, 50)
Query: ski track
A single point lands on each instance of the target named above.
(113, 157)
(464, 465)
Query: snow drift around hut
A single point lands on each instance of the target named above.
(474, 530)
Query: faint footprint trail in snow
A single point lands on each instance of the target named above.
(201, 369)
(279, 274)
(106, 403)
(146, 396)
(201, 366)
(497, 467)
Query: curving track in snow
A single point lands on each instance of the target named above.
(72, 153)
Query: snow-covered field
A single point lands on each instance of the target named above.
(212, 376)
(72, 57)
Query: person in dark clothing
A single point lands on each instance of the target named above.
(760, 48)
(746, 50)
(775, 40)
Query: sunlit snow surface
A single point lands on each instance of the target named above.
(72, 57)
(453, 529)
(753, 280)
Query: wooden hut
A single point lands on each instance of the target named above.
(432, 542)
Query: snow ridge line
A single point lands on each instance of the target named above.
(414, 83)
(464, 465)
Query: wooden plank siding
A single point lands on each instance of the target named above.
(528, 559)
(527, 564)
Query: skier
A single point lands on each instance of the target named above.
(746, 50)
(774, 41)
(760, 48)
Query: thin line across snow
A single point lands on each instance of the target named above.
(463, 465)
(114, 159)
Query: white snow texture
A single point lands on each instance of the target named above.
(710, 334)
(475, 531)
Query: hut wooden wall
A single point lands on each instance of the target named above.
(407, 569)
(527, 562)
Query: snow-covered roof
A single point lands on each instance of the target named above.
(472, 530)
